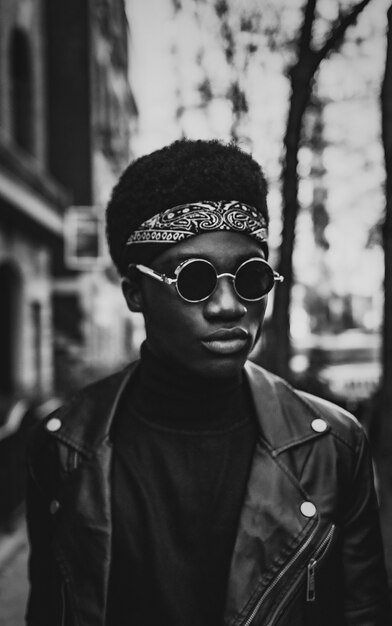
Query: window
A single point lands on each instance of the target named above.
(21, 90)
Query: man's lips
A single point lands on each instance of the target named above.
(223, 334)
(226, 340)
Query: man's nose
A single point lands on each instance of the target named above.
(224, 302)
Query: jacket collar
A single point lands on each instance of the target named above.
(85, 422)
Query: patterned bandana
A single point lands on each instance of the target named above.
(187, 220)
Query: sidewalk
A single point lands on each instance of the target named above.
(13, 576)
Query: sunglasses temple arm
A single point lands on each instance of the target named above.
(150, 272)
(278, 277)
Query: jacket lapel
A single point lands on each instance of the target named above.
(83, 522)
(82, 537)
(272, 531)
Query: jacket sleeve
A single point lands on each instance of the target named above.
(366, 597)
(44, 606)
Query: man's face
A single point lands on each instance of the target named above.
(194, 335)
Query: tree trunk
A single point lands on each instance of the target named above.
(383, 425)
(279, 339)
(277, 349)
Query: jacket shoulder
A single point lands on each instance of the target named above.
(93, 394)
(84, 420)
(80, 399)
(340, 423)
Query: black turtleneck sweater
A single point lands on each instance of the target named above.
(182, 451)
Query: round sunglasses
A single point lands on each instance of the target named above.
(196, 279)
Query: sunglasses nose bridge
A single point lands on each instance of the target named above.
(230, 279)
(224, 275)
(224, 296)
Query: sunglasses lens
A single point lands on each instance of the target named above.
(254, 279)
(196, 281)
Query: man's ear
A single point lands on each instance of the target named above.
(131, 289)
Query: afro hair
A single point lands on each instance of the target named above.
(184, 171)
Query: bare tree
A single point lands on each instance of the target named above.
(239, 35)
(302, 77)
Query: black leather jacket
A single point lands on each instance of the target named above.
(308, 549)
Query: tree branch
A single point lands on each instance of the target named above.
(336, 36)
(307, 26)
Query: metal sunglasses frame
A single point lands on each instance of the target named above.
(173, 281)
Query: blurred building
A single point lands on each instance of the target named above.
(66, 119)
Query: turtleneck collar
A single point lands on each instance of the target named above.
(168, 395)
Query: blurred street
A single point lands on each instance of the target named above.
(13, 577)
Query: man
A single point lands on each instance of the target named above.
(194, 488)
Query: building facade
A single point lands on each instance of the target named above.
(31, 205)
(66, 112)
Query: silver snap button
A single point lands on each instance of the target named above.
(54, 506)
(53, 424)
(319, 425)
(308, 509)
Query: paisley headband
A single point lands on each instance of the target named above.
(187, 220)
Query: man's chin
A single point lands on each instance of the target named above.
(223, 367)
